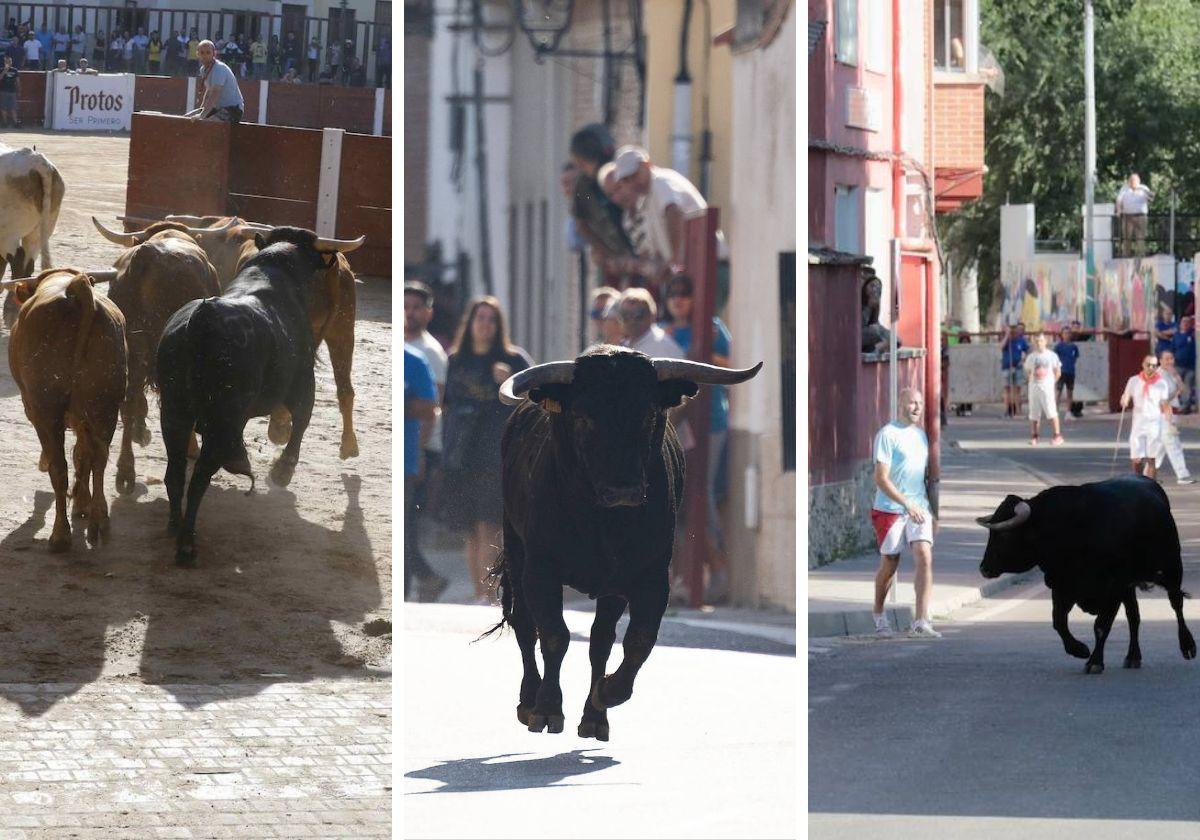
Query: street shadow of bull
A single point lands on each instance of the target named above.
(477, 775)
(257, 612)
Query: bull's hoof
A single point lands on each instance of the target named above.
(141, 435)
(603, 697)
(185, 556)
(125, 482)
(349, 447)
(593, 729)
(1078, 649)
(1133, 662)
(279, 432)
(1187, 646)
(1094, 668)
(551, 723)
(282, 471)
(523, 713)
(44, 463)
(59, 544)
(94, 532)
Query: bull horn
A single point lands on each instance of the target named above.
(514, 389)
(195, 230)
(106, 276)
(701, 373)
(1020, 515)
(343, 246)
(126, 240)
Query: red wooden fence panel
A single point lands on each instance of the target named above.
(294, 105)
(31, 98)
(166, 94)
(176, 165)
(365, 201)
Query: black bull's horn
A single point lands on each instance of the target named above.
(514, 389)
(1020, 515)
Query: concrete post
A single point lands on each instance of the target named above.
(327, 183)
(263, 87)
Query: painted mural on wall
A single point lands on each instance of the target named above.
(1043, 294)
(1127, 291)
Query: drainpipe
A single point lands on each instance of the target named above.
(897, 201)
(681, 138)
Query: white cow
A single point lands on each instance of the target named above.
(31, 194)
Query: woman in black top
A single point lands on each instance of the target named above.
(472, 421)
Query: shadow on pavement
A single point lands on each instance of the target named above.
(473, 775)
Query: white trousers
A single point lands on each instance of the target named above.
(1173, 447)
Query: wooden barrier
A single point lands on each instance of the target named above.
(299, 106)
(265, 173)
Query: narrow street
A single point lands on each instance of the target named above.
(993, 731)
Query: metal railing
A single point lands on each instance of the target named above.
(96, 19)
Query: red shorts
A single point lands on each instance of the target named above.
(882, 521)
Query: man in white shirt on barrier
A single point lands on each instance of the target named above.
(1133, 205)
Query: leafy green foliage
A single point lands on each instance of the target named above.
(1147, 113)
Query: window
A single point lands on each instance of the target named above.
(955, 35)
(847, 31)
(787, 355)
(845, 220)
(878, 19)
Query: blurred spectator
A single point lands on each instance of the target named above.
(353, 74)
(61, 67)
(333, 58)
(231, 54)
(79, 45)
(16, 51)
(46, 39)
(1068, 355)
(597, 218)
(1183, 345)
(33, 53)
(258, 58)
(100, 50)
(383, 62)
(141, 44)
(1012, 357)
(326, 77)
(171, 54)
(657, 201)
(314, 58)
(193, 57)
(1133, 205)
(10, 87)
(473, 419)
(418, 311)
(1172, 448)
(680, 298)
(291, 52)
(964, 409)
(420, 405)
(274, 58)
(601, 298)
(1164, 329)
(292, 77)
(127, 64)
(87, 69)
(638, 312)
(154, 52)
(62, 43)
(611, 328)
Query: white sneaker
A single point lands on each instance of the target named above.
(1187, 479)
(923, 629)
(882, 629)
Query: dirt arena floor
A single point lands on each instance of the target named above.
(292, 585)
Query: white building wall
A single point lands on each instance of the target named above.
(761, 224)
(453, 214)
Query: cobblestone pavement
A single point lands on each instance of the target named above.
(127, 760)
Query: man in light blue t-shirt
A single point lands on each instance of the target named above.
(901, 513)
(222, 98)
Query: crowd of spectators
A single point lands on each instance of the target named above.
(250, 57)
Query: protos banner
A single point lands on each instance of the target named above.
(80, 102)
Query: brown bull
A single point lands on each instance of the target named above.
(162, 269)
(229, 242)
(67, 355)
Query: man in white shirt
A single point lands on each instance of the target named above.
(637, 312)
(1150, 394)
(33, 53)
(657, 201)
(1133, 204)
(1042, 370)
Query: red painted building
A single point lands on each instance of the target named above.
(895, 136)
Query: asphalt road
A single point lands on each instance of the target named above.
(994, 731)
(705, 748)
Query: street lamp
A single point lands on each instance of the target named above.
(544, 22)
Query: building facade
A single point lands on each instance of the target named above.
(895, 136)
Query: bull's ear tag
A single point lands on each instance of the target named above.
(552, 406)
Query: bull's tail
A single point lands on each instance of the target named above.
(80, 290)
(47, 173)
(497, 578)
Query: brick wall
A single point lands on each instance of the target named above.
(416, 144)
(958, 125)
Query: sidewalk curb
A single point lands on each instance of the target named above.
(859, 622)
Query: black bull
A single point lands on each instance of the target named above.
(592, 481)
(1096, 544)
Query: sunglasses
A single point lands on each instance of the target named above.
(1149, 366)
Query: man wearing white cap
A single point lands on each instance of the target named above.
(656, 201)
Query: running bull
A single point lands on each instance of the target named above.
(31, 194)
(1095, 544)
(592, 481)
(226, 359)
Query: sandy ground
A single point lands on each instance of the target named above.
(292, 584)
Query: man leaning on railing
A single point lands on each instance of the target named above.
(1133, 204)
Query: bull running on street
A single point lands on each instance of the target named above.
(592, 482)
(1096, 544)
(31, 194)
(224, 360)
